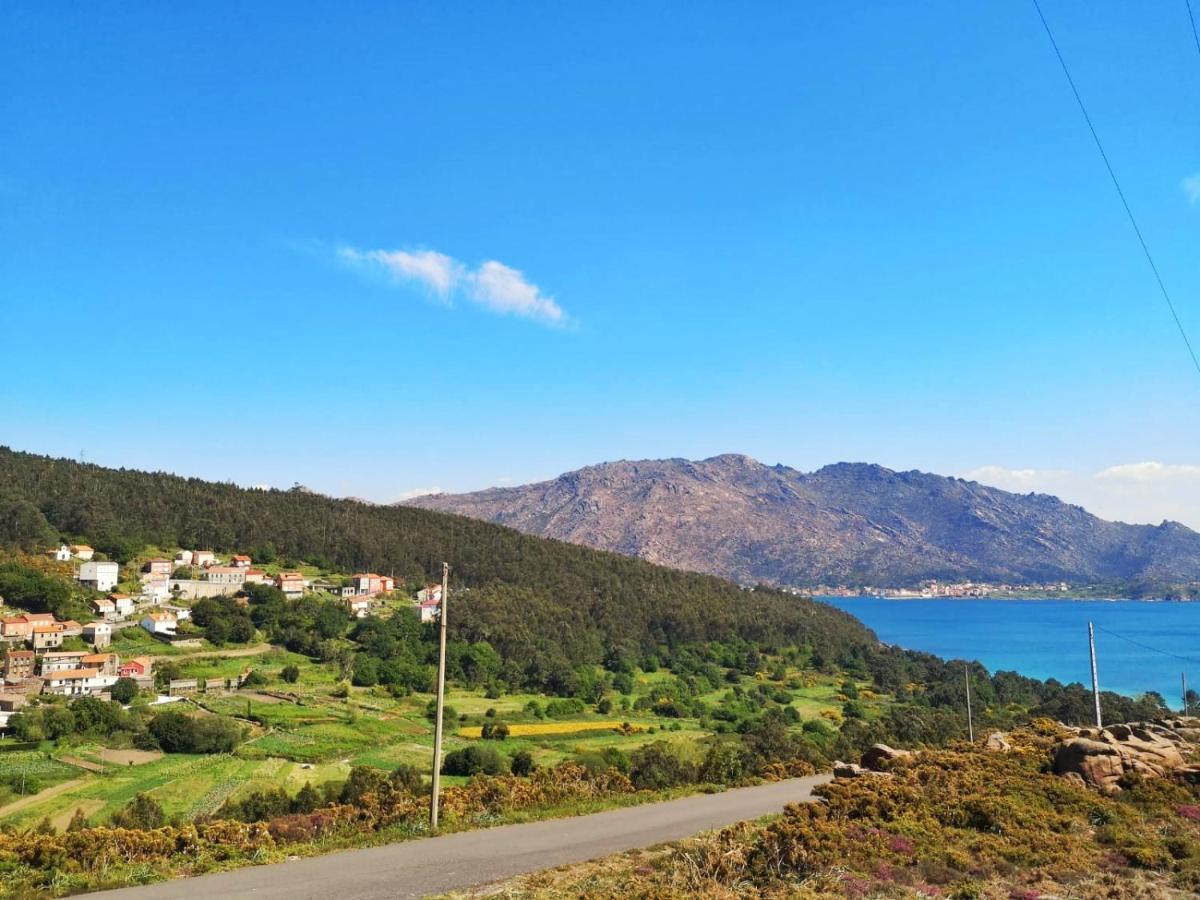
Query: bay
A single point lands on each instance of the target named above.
(1138, 643)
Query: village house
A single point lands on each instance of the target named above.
(370, 584)
(123, 602)
(21, 627)
(103, 606)
(256, 576)
(156, 589)
(18, 665)
(431, 592)
(429, 609)
(203, 558)
(159, 623)
(358, 607)
(230, 576)
(240, 561)
(62, 554)
(158, 567)
(107, 663)
(71, 628)
(183, 558)
(138, 667)
(82, 551)
(11, 702)
(291, 583)
(100, 576)
(47, 636)
(98, 634)
(78, 682)
(60, 661)
(181, 613)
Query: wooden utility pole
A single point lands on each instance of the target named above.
(441, 700)
(970, 721)
(1095, 678)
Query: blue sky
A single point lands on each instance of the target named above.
(375, 248)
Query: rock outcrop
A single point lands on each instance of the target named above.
(997, 742)
(1103, 757)
(878, 756)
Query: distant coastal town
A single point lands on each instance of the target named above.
(1057, 590)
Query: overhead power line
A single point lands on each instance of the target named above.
(1192, 19)
(1117, 184)
(1187, 659)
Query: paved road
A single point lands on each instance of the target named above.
(455, 861)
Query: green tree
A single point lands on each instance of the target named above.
(142, 812)
(124, 691)
(290, 673)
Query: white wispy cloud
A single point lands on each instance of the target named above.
(1146, 492)
(417, 492)
(1150, 472)
(1191, 187)
(492, 285)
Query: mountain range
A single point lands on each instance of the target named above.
(850, 523)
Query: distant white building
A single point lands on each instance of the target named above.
(156, 589)
(82, 551)
(231, 576)
(98, 634)
(78, 682)
(203, 558)
(159, 623)
(100, 576)
(183, 558)
(62, 554)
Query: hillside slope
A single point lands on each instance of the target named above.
(532, 599)
(847, 523)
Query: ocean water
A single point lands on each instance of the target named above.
(1048, 638)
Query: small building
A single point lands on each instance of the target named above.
(12, 702)
(181, 613)
(103, 606)
(231, 576)
(62, 554)
(183, 558)
(156, 589)
(123, 602)
(21, 627)
(78, 682)
(71, 628)
(369, 584)
(203, 558)
(99, 576)
(18, 665)
(46, 637)
(291, 583)
(429, 609)
(256, 576)
(82, 551)
(240, 562)
(107, 663)
(358, 607)
(159, 623)
(60, 661)
(138, 667)
(98, 634)
(431, 592)
(158, 567)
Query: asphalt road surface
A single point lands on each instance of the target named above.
(454, 861)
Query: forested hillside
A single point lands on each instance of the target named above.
(530, 596)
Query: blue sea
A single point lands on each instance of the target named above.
(1048, 638)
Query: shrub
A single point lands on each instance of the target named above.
(472, 761)
(124, 690)
(657, 766)
(290, 673)
(494, 731)
(142, 812)
(522, 763)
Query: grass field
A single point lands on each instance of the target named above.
(302, 732)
